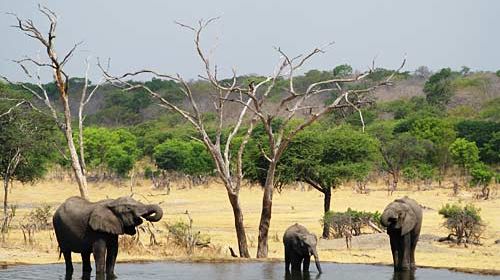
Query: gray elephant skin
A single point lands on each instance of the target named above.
(92, 228)
(403, 219)
(300, 244)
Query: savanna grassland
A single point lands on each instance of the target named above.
(212, 216)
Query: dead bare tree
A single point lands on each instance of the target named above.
(221, 152)
(251, 98)
(62, 82)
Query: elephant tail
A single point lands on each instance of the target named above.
(60, 253)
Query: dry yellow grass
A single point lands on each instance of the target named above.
(212, 215)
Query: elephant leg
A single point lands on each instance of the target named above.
(307, 261)
(99, 251)
(406, 247)
(112, 251)
(414, 241)
(296, 262)
(86, 266)
(69, 264)
(287, 259)
(394, 249)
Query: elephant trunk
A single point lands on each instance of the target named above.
(384, 220)
(316, 260)
(153, 213)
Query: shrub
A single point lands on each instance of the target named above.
(481, 176)
(183, 235)
(40, 217)
(350, 221)
(463, 223)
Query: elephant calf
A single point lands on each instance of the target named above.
(85, 227)
(300, 244)
(403, 219)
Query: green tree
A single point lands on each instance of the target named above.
(441, 134)
(342, 70)
(398, 150)
(26, 149)
(188, 157)
(483, 133)
(464, 223)
(321, 158)
(438, 89)
(481, 176)
(114, 150)
(464, 153)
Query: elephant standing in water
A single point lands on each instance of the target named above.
(85, 227)
(300, 244)
(403, 219)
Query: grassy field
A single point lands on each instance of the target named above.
(212, 215)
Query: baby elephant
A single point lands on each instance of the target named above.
(300, 244)
(403, 219)
(85, 227)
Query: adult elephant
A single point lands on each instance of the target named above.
(85, 227)
(403, 219)
(300, 244)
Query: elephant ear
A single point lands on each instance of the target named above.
(301, 241)
(409, 221)
(104, 220)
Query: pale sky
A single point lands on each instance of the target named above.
(142, 34)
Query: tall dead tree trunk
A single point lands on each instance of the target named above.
(265, 215)
(61, 79)
(239, 225)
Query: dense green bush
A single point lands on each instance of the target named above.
(189, 157)
(464, 223)
(350, 221)
(115, 150)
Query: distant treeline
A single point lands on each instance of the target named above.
(418, 139)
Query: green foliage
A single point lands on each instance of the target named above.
(349, 154)
(317, 156)
(350, 221)
(464, 152)
(379, 74)
(464, 223)
(342, 70)
(414, 108)
(122, 107)
(481, 175)
(463, 112)
(26, 140)
(170, 90)
(490, 152)
(438, 88)
(399, 150)
(484, 134)
(189, 157)
(474, 81)
(115, 150)
(497, 73)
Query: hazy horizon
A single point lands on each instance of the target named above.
(138, 35)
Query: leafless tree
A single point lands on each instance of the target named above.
(62, 82)
(252, 98)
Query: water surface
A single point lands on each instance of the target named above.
(239, 271)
